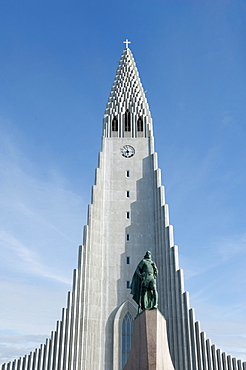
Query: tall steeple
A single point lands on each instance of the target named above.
(127, 216)
(127, 97)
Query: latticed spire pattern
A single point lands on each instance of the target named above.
(94, 333)
(127, 95)
(127, 91)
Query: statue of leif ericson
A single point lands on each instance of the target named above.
(143, 286)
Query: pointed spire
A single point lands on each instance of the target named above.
(127, 95)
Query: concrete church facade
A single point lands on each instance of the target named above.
(127, 216)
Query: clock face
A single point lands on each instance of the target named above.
(127, 151)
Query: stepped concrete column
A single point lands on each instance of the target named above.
(150, 349)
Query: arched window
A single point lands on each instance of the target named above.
(127, 332)
(140, 124)
(114, 124)
(127, 121)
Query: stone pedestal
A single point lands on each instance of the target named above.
(150, 349)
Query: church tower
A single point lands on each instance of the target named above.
(127, 216)
(121, 222)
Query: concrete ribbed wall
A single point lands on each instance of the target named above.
(189, 348)
(83, 339)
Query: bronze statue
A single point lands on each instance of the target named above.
(143, 286)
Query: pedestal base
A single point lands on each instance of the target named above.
(149, 349)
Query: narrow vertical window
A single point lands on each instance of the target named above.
(127, 333)
(127, 121)
(140, 124)
(114, 124)
(128, 193)
(128, 215)
(128, 260)
(127, 173)
(127, 237)
(128, 284)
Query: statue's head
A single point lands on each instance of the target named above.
(148, 255)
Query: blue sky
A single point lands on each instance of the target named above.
(57, 64)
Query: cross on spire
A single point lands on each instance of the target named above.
(127, 42)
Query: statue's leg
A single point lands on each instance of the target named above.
(154, 300)
(155, 296)
(143, 298)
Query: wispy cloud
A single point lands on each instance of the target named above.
(26, 259)
(40, 230)
(226, 248)
(40, 217)
(215, 278)
(223, 327)
(217, 253)
(15, 345)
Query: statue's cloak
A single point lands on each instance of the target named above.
(136, 287)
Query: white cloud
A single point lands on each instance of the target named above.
(222, 325)
(40, 217)
(215, 278)
(40, 230)
(25, 259)
(14, 346)
(211, 256)
(226, 248)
